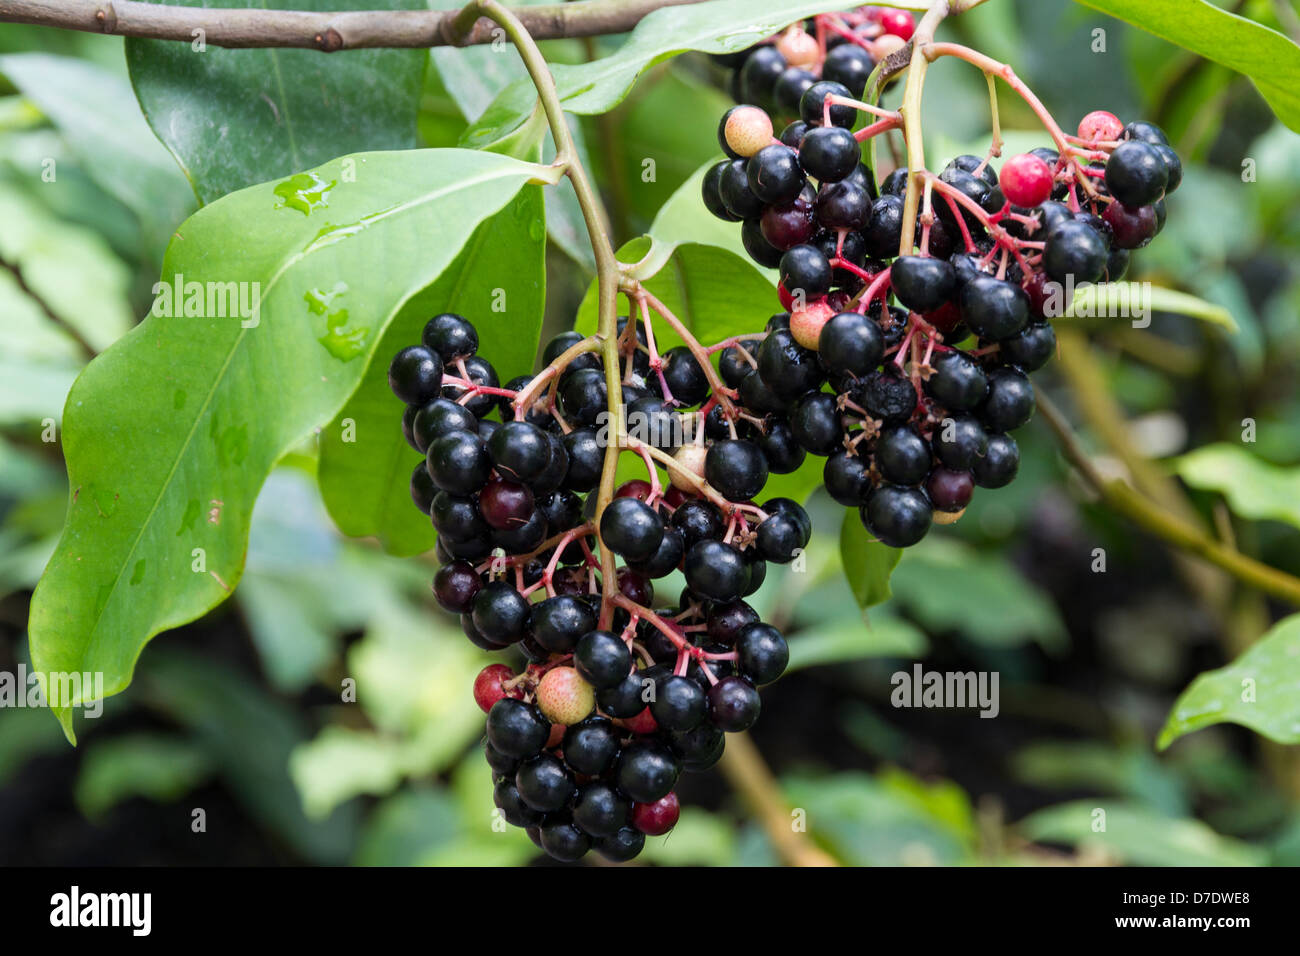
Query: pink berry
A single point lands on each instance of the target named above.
(1026, 180)
(898, 22)
(488, 686)
(564, 696)
(1100, 126)
(656, 819)
(642, 723)
(806, 326)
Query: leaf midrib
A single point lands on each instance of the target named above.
(499, 172)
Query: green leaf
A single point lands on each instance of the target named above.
(158, 767)
(1270, 60)
(1138, 835)
(719, 26)
(1127, 298)
(237, 117)
(1257, 690)
(170, 433)
(96, 113)
(366, 481)
(1255, 489)
(949, 586)
(868, 564)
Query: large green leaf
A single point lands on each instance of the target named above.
(868, 564)
(237, 117)
(719, 26)
(1270, 60)
(366, 482)
(1254, 488)
(170, 433)
(1124, 298)
(1257, 690)
(97, 115)
(1138, 835)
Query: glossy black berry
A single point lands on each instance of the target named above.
(902, 456)
(698, 520)
(564, 842)
(736, 468)
(897, 516)
(519, 450)
(1075, 253)
(602, 659)
(451, 336)
(685, 377)
(849, 65)
(456, 517)
(884, 230)
(455, 585)
(667, 556)
(994, 308)
(733, 366)
(922, 283)
(415, 374)
(625, 699)
(782, 450)
(439, 417)
(734, 191)
(1173, 165)
(517, 729)
(774, 174)
(805, 269)
(829, 153)
(500, 613)
(631, 528)
(586, 458)
(458, 463)
(1010, 401)
(600, 810)
(761, 653)
(999, 464)
(779, 537)
(959, 441)
(559, 622)
(479, 371)
(623, 846)
(851, 344)
(1032, 347)
(1136, 173)
(813, 104)
(815, 420)
(647, 770)
(788, 368)
(711, 193)
(790, 87)
(679, 703)
(843, 205)
(958, 382)
(733, 704)
(716, 571)
(582, 396)
(759, 74)
(506, 796)
(544, 783)
(846, 479)
(590, 746)
(1145, 132)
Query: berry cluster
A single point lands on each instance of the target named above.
(616, 699)
(926, 350)
(839, 47)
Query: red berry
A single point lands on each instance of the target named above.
(488, 687)
(898, 22)
(642, 723)
(656, 819)
(1026, 180)
(637, 488)
(1100, 126)
(787, 300)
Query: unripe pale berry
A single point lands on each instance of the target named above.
(564, 697)
(747, 130)
(1100, 126)
(806, 325)
(798, 47)
(948, 517)
(691, 457)
(888, 44)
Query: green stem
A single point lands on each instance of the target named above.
(1149, 516)
(911, 110)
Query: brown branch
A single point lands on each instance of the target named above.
(325, 32)
(14, 270)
